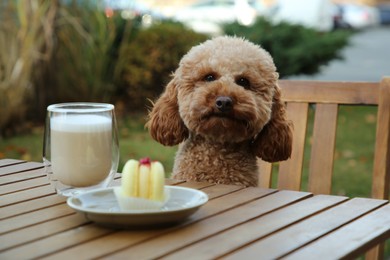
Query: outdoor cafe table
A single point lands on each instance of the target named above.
(236, 223)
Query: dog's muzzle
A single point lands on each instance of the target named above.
(224, 104)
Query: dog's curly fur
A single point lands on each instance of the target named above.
(224, 107)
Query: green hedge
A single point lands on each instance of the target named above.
(294, 48)
(149, 60)
(24, 42)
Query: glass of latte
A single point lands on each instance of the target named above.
(81, 150)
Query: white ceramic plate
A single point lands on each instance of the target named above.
(101, 206)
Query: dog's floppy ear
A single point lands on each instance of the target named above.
(164, 122)
(274, 142)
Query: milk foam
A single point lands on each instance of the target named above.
(80, 123)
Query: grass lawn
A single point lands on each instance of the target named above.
(353, 156)
(354, 153)
(135, 142)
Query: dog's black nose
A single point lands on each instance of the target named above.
(224, 104)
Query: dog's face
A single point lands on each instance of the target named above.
(225, 89)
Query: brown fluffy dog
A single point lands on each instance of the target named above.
(223, 105)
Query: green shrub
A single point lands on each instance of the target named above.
(24, 41)
(294, 48)
(83, 63)
(149, 60)
(81, 67)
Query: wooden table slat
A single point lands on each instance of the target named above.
(30, 205)
(181, 237)
(34, 217)
(7, 162)
(23, 185)
(217, 190)
(10, 223)
(25, 195)
(15, 168)
(229, 201)
(22, 176)
(91, 234)
(349, 238)
(306, 231)
(236, 222)
(48, 228)
(233, 239)
(46, 245)
(196, 185)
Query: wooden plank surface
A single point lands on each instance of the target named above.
(290, 171)
(306, 231)
(30, 205)
(15, 168)
(35, 217)
(330, 92)
(200, 230)
(91, 232)
(40, 231)
(265, 173)
(26, 195)
(7, 162)
(123, 239)
(380, 187)
(23, 185)
(349, 238)
(381, 172)
(37, 223)
(262, 226)
(22, 176)
(322, 151)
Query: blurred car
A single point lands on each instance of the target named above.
(316, 14)
(384, 13)
(359, 16)
(338, 19)
(207, 16)
(131, 9)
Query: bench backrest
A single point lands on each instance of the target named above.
(327, 96)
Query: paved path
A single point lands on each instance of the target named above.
(367, 58)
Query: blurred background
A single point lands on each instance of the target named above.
(124, 51)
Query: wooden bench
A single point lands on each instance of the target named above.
(327, 96)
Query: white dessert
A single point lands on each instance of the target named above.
(142, 185)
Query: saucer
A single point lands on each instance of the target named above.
(101, 206)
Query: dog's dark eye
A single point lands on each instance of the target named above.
(209, 77)
(243, 82)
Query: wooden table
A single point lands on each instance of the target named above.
(236, 223)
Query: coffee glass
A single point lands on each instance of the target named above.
(80, 150)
